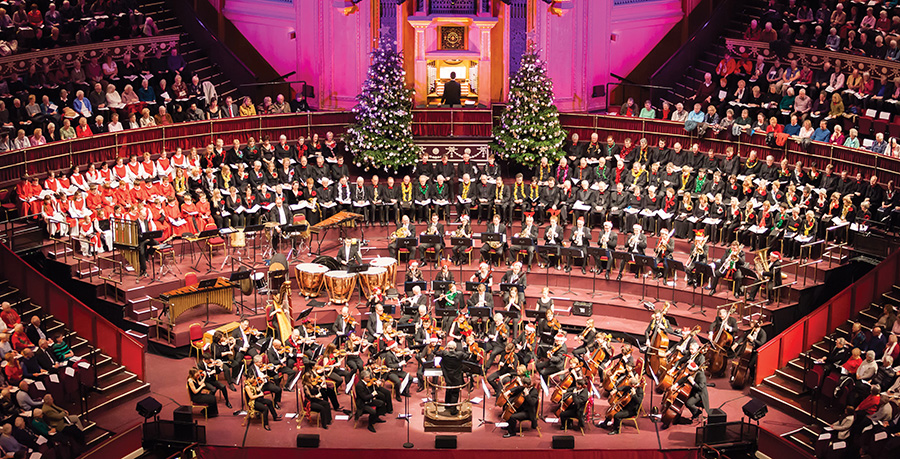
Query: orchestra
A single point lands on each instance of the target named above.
(657, 210)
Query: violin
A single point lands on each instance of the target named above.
(349, 320)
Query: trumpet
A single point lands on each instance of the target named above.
(732, 260)
(633, 241)
(697, 251)
(460, 232)
(662, 245)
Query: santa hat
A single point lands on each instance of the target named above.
(777, 255)
(693, 366)
(517, 264)
(560, 336)
(698, 234)
(483, 265)
(580, 220)
(445, 263)
(414, 264)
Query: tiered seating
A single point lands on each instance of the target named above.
(114, 384)
(788, 388)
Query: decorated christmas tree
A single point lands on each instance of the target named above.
(529, 126)
(382, 135)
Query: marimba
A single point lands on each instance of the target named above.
(186, 298)
(339, 220)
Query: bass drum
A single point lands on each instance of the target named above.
(330, 262)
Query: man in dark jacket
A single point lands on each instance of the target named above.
(452, 91)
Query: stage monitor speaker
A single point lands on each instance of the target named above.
(755, 409)
(445, 441)
(715, 426)
(307, 440)
(599, 91)
(148, 407)
(563, 442)
(583, 308)
(183, 415)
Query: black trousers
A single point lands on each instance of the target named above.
(265, 406)
(569, 414)
(516, 418)
(320, 406)
(208, 400)
(213, 386)
(274, 389)
(623, 414)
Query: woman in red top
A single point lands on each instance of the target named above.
(13, 370)
(19, 339)
(853, 362)
(83, 130)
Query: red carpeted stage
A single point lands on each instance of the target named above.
(626, 315)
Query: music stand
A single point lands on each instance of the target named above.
(203, 236)
(513, 316)
(151, 236)
(407, 243)
(304, 314)
(480, 311)
(252, 231)
(747, 273)
(642, 262)
(622, 257)
(473, 287)
(548, 250)
(235, 278)
(436, 240)
(595, 253)
(570, 252)
(705, 271)
(206, 284)
(524, 243)
(492, 237)
(675, 266)
(408, 286)
(440, 286)
(464, 242)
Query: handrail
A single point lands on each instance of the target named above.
(93, 327)
(465, 122)
(800, 336)
(19, 63)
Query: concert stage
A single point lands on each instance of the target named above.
(618, 306)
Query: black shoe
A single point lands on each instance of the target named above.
(613, 432)
(267, 427)
(277, 418)
(277, 406)
(378, 421)
(508, 435)
(606, 275)
(231, 387)
(228, 405)
(371, 428)
(325, 426)
(583, 270)
(568, 269)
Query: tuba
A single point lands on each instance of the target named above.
(761, 262)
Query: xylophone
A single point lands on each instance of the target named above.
(341, 220)
(186, 298)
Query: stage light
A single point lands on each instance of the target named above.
(148, 408)
(755, 409)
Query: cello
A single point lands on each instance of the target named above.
(676, 397)
(622, 397)
(721, 342)
(676, 373)
(658, 343)
(564, 384)
(676, 353)
(740, 369)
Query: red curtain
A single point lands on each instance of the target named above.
(93, 149)
(12, 166)
(187, 135)
(136, 142)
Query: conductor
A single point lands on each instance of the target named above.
(451, 366)
(452, 91)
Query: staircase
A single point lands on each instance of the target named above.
(786, 391)
(693, 75)
(115, 385)
(197, 59)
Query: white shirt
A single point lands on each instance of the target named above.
(115, 127)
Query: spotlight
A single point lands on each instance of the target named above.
(148, 408)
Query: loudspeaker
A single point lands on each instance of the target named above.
(563, 442)
(599, 91)
(183, 415)
(148, 407)
(445, 441)
(755, 409)
(307, 440)
(583, 308)
(715, 426)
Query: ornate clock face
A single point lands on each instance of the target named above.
(452, 37)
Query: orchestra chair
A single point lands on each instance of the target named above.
(196, 335)
(403, 254)
(354, 408)
(634, 419)
(435, 256)
(201, 408)
(585, 416)
(522, 255)
(302, 236)
(215, 241)
(191, 279)
(307, 411)
(6, 206)
(167, 254)
(494, 253)
(468, 253)
(251, 410)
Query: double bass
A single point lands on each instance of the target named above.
(676, 353)
(740, 369)
(658, 343)
(721, 342)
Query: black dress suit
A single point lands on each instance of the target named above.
(452, 93)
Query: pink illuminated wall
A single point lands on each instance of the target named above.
(330, 49)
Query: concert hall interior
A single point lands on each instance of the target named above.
(658, 228)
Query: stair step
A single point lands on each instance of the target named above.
(117, 380)
(117, 394)
(787, 385)
(791, 374)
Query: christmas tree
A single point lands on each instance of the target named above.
(382, 135)
(529, 126)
